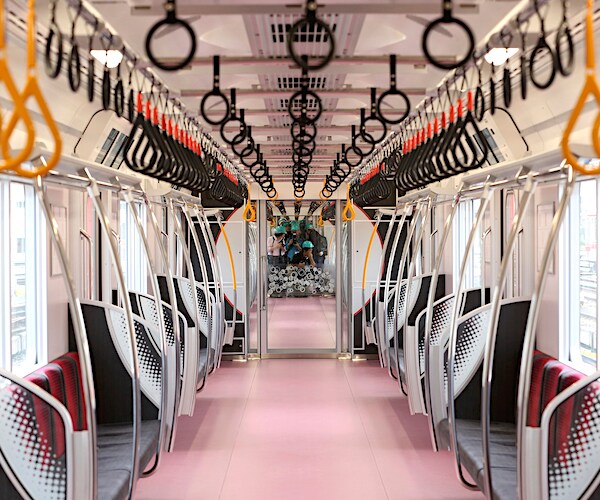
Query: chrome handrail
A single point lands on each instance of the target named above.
(530, 331)
(458, 306)
(488, 360)
(177, 335)
(426, 213)
(128, 198)
(205, 281)
(217, 275)
(403, 257)
(448, 225)
(105, 225)
(388, 276)
(386, 242)
(79, 330)
(192, 279)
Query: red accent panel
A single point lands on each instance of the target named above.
(566, 413)
(49, 378)
(540, 360)
(69, 364)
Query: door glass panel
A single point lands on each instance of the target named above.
(301, 281)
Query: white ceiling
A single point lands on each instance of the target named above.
(366, 33)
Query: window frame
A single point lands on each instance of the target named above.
(569, 275)
(131, 250)
(461, 229)
(36, 255)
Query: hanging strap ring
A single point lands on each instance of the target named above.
(564, 33)
(374, 119)
(91, 68)
(393, 91)
(479, 105)
(311, 23)
(447, 18)
(119, 93)
(74, 59)
(53, 69)
(172, 20)
(215, 93)
(542, 47)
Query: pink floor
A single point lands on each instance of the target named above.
(301, 323)
(302, 429)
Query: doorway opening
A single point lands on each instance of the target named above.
(300, 278)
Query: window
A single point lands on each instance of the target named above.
(579, 269)
(22, 273)
(515, 272)
(463, 224)
(133, 257)
(87, 237)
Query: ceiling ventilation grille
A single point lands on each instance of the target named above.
(293, 82)
(304, 35)
(311, 104)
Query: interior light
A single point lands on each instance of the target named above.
(499, 55)
(110, 58)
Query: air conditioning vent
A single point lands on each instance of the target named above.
(311, 104)
(316, 34)
(293, 82)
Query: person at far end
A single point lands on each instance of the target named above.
(276, 248)
(294, 241)
(305, 257)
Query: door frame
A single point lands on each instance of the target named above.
(263, 302)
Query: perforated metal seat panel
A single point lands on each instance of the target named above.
(574, 454)
(470, 344)
(32, 452)
(440, 322)
(149, 360)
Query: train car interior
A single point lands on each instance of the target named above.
(325, 250)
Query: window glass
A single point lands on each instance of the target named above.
(463, 224)
(24, 330)
(131, 249)
(87, 250)
(511, 205)
(581, 275)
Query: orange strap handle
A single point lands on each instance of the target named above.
(348, 213)
(20, 111)
(249, 213)
(590, 86)
(32, 89)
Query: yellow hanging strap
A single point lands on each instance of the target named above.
(320, 221)
(348, 213)
(32, 89)
(332, 240)
(19, 111)
(364, 278)
(590, 86)
(226, 239)
(249, 213)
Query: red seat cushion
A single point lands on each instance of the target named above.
(75, 403)
(62, 379)
(50, 427)
(534, 415)
(566, 414)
